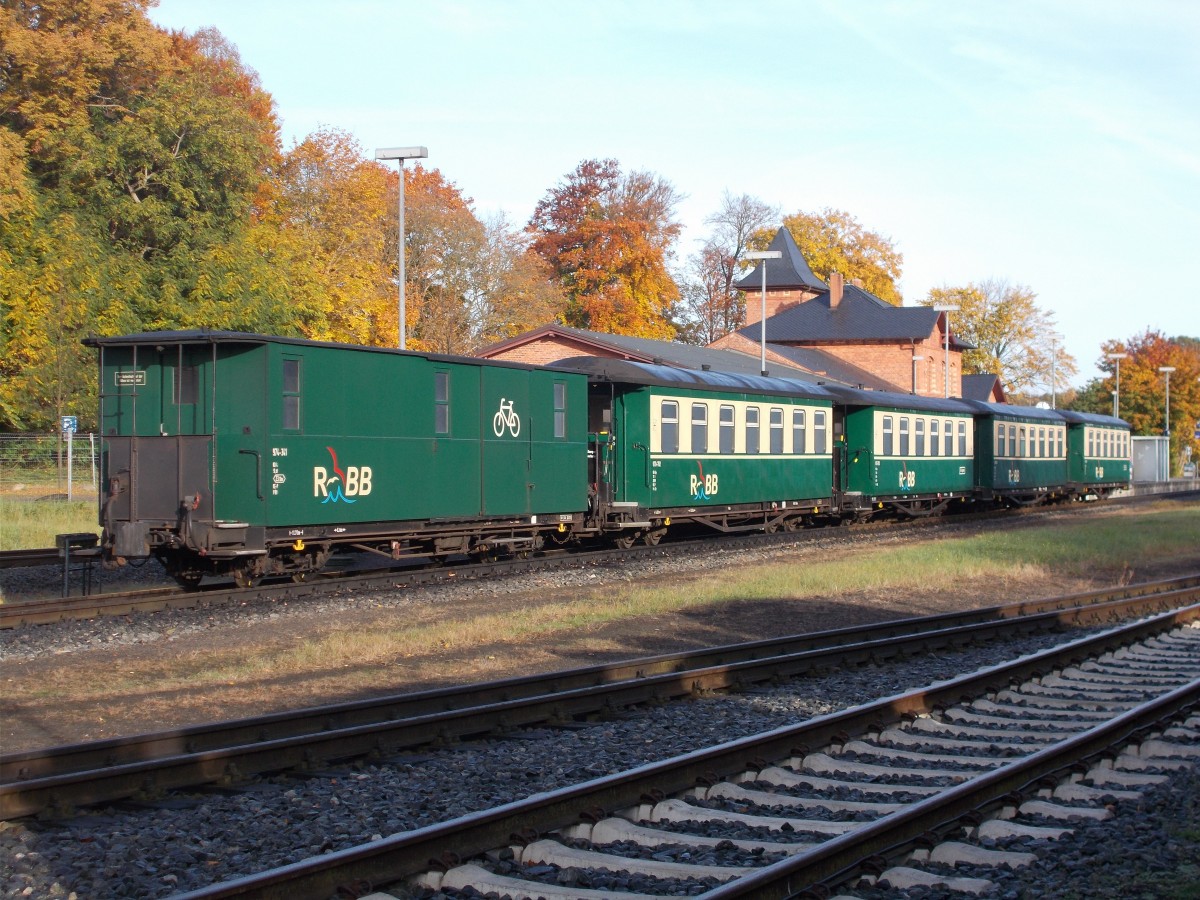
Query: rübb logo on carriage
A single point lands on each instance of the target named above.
(344, 485)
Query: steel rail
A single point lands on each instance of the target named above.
(40, 556)
(61, 760)
(269, 754)
(16, 613)
(401, 856)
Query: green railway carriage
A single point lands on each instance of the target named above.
(732, 452)
(1098, 454)
(904, 454)
(251, 455)
(1021, 455)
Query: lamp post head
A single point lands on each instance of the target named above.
(1166, 369)
(1117, 355)
(947, 307)
(402, 153)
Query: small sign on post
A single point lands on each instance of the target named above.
(69, 424)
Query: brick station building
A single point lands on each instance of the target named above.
(835, 333)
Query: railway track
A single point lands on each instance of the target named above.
(18, 613)
(890, 790)
(59, 779)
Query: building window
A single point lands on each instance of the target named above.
(725, 430)
(751, 429)
(776, 430)
(670, 426)
(799, 444)
(699, 428)
(888, 445)
(819, 431)
(904, 444)
(560, 410)
(291, 394)
(920, 437)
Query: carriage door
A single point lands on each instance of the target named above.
(508, 426)
(600, 441)
(840, 474)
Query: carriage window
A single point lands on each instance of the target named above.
(962, 438)
(751, 429)
(187, 389)
(933, 437)
(441, 402)
(904, 435)
(776, 430)
(819, 431)
(670, 426)
(291, 394)
(920, 437)
(799, 445)
(1001, 436)
(726, 430)
(1061, 454)
(1090, 442)
(560, 409)
(949, 437)
(887, 436)
(699, 428)
(1042, 443)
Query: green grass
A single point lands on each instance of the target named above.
(1097, 548)
(27, 523)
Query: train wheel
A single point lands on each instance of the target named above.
(793, 524)
(624, 541)
(653, 536)
(189, 581)
(300, 577)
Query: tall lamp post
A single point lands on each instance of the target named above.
(401, 154)
(1167, 370)
(1116, 358)
(947, 308)
(763, 255)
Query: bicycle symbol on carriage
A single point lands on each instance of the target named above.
(506, 418)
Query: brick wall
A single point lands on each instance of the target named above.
(550, 348)
(777, 302)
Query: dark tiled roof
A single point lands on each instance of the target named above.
(979, 387)
(789, 272)
(632, 372)
(689, 356)
(861, 316)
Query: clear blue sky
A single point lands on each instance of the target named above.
(1054, 144)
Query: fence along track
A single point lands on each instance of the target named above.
(101, 771)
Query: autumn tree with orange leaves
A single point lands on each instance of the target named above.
(1144, 388)
(607, 238)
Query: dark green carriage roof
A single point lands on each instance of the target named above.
(893, 400)
(207, 336)
(624, 371)
(1086, 418)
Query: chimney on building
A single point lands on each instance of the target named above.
(836, 284)
(857, 282)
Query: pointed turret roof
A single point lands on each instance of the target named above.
(789, 272)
